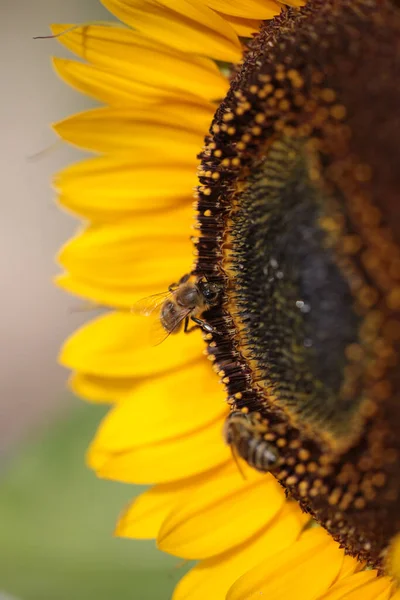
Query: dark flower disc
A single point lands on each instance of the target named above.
(299, 219)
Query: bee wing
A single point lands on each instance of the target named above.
(158, 333)
(149, 305)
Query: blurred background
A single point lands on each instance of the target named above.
(57, 519)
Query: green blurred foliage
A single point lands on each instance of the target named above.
(56, 536)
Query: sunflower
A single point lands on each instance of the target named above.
(162, 75)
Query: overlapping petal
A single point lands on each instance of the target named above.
(134, 58)
(303, 571)
(127, 254)
(185, 25)
(117, 345)
(137, 132)
(247, 9)
(213, 577)
(169, 460)
(361, 586)
(144, 517)
(101, 389)
(108, 188)
(209, 522)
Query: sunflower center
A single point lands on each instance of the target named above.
(299, 221)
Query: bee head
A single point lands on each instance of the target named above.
(210, 291)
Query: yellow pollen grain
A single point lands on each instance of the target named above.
(228, 117)
(292, 480)
(296, 79)
(240, 145)
(284, 105)
(207, 213)
(295, 444)
(260, 118)
(267, 89)
(253, 89)
(256, 130)
(231, 130)
(379, 479)
(279, 94)
(312, 467)
(218, 153)
(215, 175)
(304, 454)
(245, 106)
(207, 191)
(216, 128)
(335, 496)
(338, 111)
(281, 442)
(226, 162)
(300, 469)
(393, 299)
(245, 409)
(328, 95)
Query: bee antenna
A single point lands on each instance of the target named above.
(56, 35)
(235, 457)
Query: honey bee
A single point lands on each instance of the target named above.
(184, 301)
(245, 434)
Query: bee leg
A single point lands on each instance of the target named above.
(245, 432)
(186, 326)
(203, 325)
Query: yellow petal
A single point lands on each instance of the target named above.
(164, 407)
(361, 586)
(144, 517)
(213, 577)
(243, 27)
(249, 9)
(101, 389)
(129, 253)
(185, 25)
(393, 558)
(114, 296)
(350, 565)
(134, 131)
(224, 511)
(105, 187)
(167, 461)
(115, 346)
(106, 86)
(304, 571)
(131, 56)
